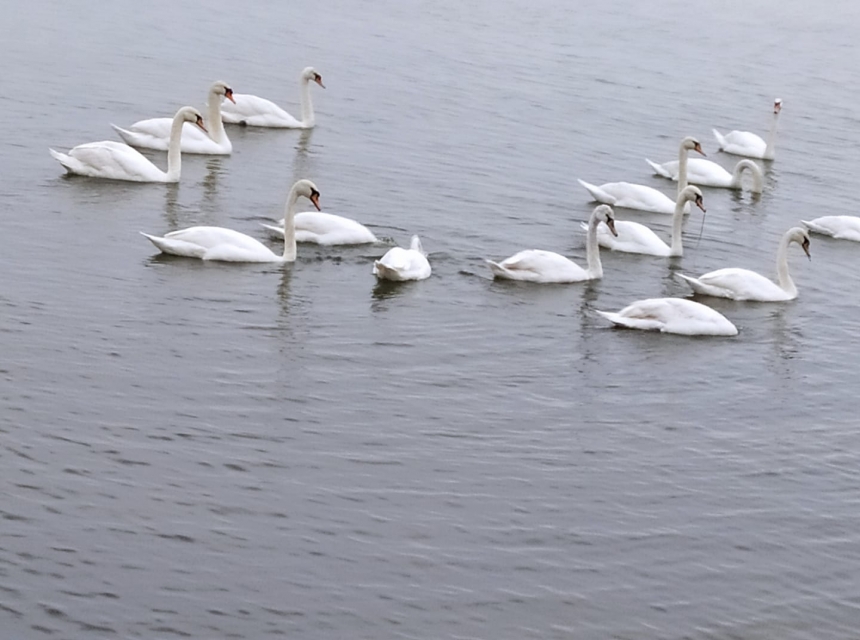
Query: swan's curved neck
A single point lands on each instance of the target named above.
(682, 168)
(771, 138)
(290, 227)
(174, 153)
(755, 172)
(308, 119)
(677, 248)
(213, 118)
(783, 278)
(592, 249)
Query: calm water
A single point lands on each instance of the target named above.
(239, 451)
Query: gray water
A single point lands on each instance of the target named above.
(243, 451)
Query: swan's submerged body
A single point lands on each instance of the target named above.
(400, 264)
(322, 228)
(748, 144)
(840, 227)
(709, 174)
(255, 111)
(672, 315)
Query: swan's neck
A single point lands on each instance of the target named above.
(782, 276)
(755, 172)
(682, 168)
(592, 249)
(677, 248)
(771, 138)
(213, 120)
(308, 119)
(174, 153)
(290, 227)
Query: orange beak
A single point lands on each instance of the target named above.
(611, 224)
(229, 96)
(318, 80)
(701, 205)
(315, 198)
(699, 149)
(200, 124)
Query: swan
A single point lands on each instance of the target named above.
(226, 245)
(118, 161)
(638, 196)
(403, 264)
(706, 173)
(632, 237)
(743, 284)
(841, 227)
(326, 229)
(259, 112)
(672, 315)
(154, 133)
(744, 143)
(535, 265)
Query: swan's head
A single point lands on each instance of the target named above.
(309, 190)
(309, 73)
(604, 213)
(801, 237)
(192, 115)
(222, 89)
(691, 144)
(693, 194)
(777, 105)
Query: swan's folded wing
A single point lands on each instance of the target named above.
(210, 237)
(738, 283)
(112, 158)
(645, 324)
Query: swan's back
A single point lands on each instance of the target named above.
(255, 111)
(841, 227)
(402, 264)
(673, 315)
(536, 265)
(738, 284)
(744, 143)
(632, 238)
(111, 160)
(328, 228)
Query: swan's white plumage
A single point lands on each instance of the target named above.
(254, 111)
(709, 174)
(748, 144)
(322, 228)
(840, 227)
(403, 264)
(672, 315)
(113, 160)
(154, 133)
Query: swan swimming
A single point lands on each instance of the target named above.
(258, 112)
(322, 228)
(839, 227)
(745, 143)
(400, 264)
(707, 173)
(672, 315)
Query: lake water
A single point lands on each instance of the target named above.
(244, 451)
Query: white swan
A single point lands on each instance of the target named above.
(118, 161)
(840, 227)
(672, 315)
(326, 229)
(744, 143)
(218, 243)
(535, 265)
(403, 264)
(743, 284)
(638, 196)
(259, 112)
(154, 133)
(706, 173)
(633, 237)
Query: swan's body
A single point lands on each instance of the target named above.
(403, 264)
(117, 161)
(745, 143)
(258, 112)
(226, 245)
(325, 228)
(840, 227)
(633, 237)
(672, 315)
(535, 265)
(638, 196)
(154, 133)
(706, 173)
(743, 284)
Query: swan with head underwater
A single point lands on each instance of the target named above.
(839, 227)
(633, 237)
(154, 133)
(706, 173)
(672, 315)
(548, 267)
(226, 245)
(745, 143)
(641, 197)
(743, 284)
(254, 111)
(117, 161)
(400, 264)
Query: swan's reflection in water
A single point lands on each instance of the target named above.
(303, 160)
(284, 293)
(171, 206)
(387, 290)
(214, 170)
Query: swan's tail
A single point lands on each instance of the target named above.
(817, 228)
(63, 159)
(632, 323)
(415, 245)
(697, 286)
(175, 247)
(125, 134)
(659, 170)
(276, 230)
(597, 193)
(384, 272)
(498, 270)
(721, 141)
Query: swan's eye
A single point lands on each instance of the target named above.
(315, 193)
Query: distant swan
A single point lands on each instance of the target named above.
(535, 265)
(258, 112)
(706, 173)
(154, 133)
(118, 161)
(641, 197)
(840, 227)
(633, 237)
(326, 229)
(403, 264)
(743, 284)
(226, 245)
(672, 315)
(744, 143)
